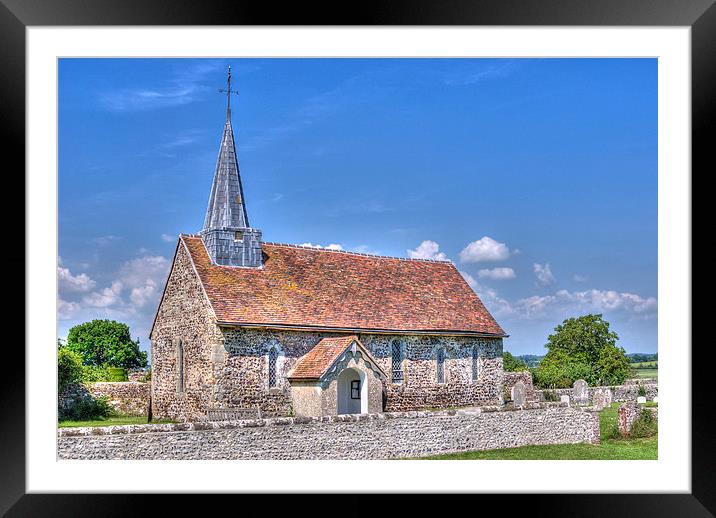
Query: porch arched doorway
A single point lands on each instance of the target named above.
(352, 392)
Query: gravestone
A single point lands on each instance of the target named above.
(518, 394)
(580, 392)
(564, 398)
(602, 398)
(641, 399)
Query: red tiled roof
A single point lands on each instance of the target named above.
(311, 287)
(316, 362)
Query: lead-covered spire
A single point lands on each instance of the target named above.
(227, 235)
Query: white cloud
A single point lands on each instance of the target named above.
(599, 301)
(105, 297)
(332, 246)
(484, 249)
(543, 272)
(143, 294)
(168, 238)
(428, 250)
(66, 310)
(497, 274)
(76, 283)
(496, 305)
(580, 278)
(184, 86)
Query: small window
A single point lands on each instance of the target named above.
(441, 365)
(397, 362)
(238, 236)
(180, 366)
(238, 199)
(474, 364)
(355, 389)
(272, 359)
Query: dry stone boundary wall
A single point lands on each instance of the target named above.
(366, 436)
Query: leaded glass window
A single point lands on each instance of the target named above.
(272, 358)
(397, 357)
(441, 365)
(474, 364)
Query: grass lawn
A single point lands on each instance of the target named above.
(646, 369)
(110, 421)
(608, 449)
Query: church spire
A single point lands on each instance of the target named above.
(227, 235)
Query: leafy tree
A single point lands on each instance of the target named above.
(106, 342)
(582, 348)
(613, 367)
(69, 368)
(512, 364)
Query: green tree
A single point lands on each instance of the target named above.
(613, 367)
(512, 364)
(582, 348)
(69, 368)
(106, 342)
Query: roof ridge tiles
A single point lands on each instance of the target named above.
(348, 252)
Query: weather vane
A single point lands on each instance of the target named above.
(228, 91)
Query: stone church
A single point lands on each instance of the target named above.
(252, 328)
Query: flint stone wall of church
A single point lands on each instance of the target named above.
(367, 436)
(184, 314)
(242, 370)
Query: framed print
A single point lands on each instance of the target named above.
(496, 178)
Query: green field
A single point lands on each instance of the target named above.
(608, 449)
(646, 369)
(110, 421)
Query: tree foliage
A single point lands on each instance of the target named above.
(582, 348)
(106, 342)
(512, 364)
(69, 368)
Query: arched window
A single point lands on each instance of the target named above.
(441, 365)
(272, 360)
(474, 364)
(180, 366)
(397, 362)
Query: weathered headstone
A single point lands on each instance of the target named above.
(641, 399)
(580, 392)
(518, 394)
(564, 398)
(602, 398)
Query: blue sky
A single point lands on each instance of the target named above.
(536, 177)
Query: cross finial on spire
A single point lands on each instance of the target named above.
(228, 93)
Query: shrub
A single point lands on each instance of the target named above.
(645, 425)
(94, 373)
(69, 368)
(512, 364)
(147, 377)
(117, 374)
(642, 390)
(506, 394)
(550, 395)
(87, 409)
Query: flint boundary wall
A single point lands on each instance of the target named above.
(366, 436)
(129, 398)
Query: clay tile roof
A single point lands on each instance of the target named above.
(318, 288)
(317, 361)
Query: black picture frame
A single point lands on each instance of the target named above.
(16, 15)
